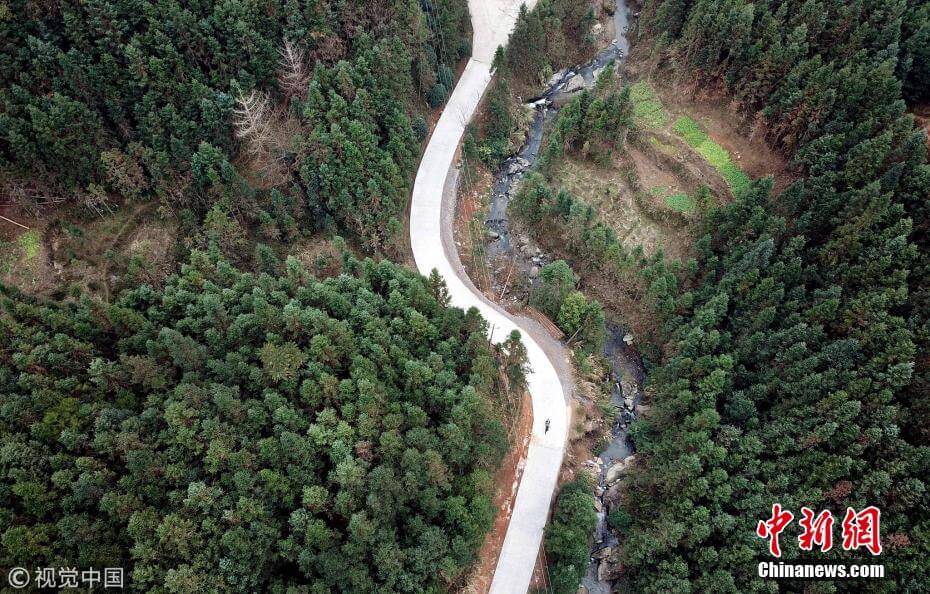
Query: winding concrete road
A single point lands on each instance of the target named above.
(431, 242)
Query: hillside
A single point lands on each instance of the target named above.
(285, 115)
(795, 361)
(747, 195)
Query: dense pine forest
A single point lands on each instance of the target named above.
(240, 432)
(107, 101)
(796, 366)
(244, 424)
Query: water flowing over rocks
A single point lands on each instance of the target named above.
(618, 469)
(521, 254)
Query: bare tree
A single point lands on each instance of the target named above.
(292, 70)
(31, 195)
(266, 131)
(251, 119)
(265, 126)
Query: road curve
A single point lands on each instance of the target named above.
(492, 21)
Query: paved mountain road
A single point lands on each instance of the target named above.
(432, 245)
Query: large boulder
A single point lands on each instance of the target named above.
(557, 77)
(614, 473)
(610, 569)
(618, 469)
(613, 496)
(629, 388)
(517, 165)
(575, 83)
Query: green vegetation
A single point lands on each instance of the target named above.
(649, 114)
(715, 154)
(647, 107)
(581, 320)
(556, 281)
(593, 245)
(569, 536)
(548, 36)
(238, 432)
(795, 365)
(124, 100)
(29, 243)
(496, 143)
(20, 254)
(681, 202)
(553, 34)
(666, 148)
(793, 354)
(678, 201)
(593, 124)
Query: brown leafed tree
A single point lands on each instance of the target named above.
(266, 132)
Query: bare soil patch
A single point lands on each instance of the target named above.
(469, 231)
(652, 174)
(68, 250)
(149, 252)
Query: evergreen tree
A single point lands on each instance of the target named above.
(240, 432)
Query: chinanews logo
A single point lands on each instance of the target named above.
(859, 530)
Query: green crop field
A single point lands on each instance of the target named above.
(647, 108)
(716, 155)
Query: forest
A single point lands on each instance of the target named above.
(795, 364)
(205, 103)
(250, 423)
(241, 432)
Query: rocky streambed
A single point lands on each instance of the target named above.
(628, 377)
(516, 256)
(513, 257)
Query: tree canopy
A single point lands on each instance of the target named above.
(122, 99)
(796, 362)
(241, 432)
